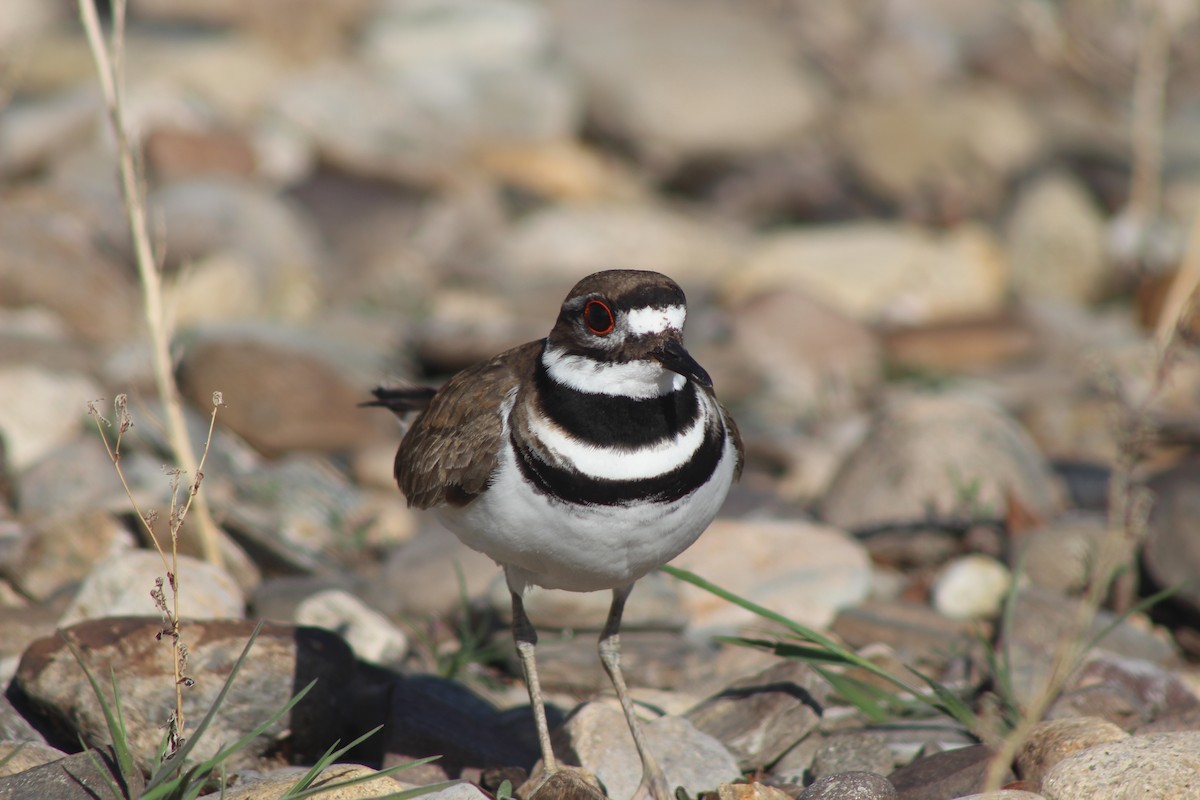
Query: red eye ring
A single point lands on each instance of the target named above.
(598, 317)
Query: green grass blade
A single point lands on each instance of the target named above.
(103, 771)
(398, 795)
(949, 703)
(861, 695)
(330, 756)
(174, 766)
(116, 728)
(1136, 608)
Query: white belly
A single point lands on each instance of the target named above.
(543, 541)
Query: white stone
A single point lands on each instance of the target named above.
(370, 635)
(800, 569)
(122, 586)
(41, 410)
(972, 587)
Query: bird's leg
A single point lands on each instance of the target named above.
(610, 656)
(525, 638)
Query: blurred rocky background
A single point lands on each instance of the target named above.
(940, 258)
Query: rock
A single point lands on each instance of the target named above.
(978, 346)
(257, 369)
(370, 635)
(654, 659)
(121, 585)
(1171, 553)
(559, 243)
(850, 786)
(300, 27)
(947, 153)
(63, 550)
(433, 575)
(250, 255)
(750, 791)
(1053, 740)
(654, 605)
(1160, 766)
(597, 738)
(81, 776)
(864, 751)
(920, 636)
(1059, 554)
(52, 259)
(1004, 794)
(275, 785)
(282, 661)
(297, 512)
(27, 20)
(945, 456)
(812, 361)
(14, 727)
(1150, 689)
(650, 81)
(16, 757)
(436, 716)
(1057, 243)
(433, 84)
(880, 272)
(34, 133)
(943, 776)
(760, 717)
(43, 410)
(1042, 620)
(972, 587)
(800, 569)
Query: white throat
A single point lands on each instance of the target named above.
(636, 379)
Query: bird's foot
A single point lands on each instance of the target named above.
(564, 783)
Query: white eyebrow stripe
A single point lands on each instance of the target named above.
(641, 321)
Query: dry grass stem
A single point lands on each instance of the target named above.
(109, 61)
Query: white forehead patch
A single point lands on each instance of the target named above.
(641, 321)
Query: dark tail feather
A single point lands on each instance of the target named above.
(401, 401)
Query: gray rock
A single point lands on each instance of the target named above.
(121, 586)
(34, 133)
(941, 152)
(850, 786)
(283, 659)
(18, 756)
(760, 717)
(803, 570)
(650, 79)
(1171, 553)
(43, 409)
(1150, 689)
(82, 776)
(946, 456)
(811, 360)
(655, 604)
(597, 738)
(298, 512)
(653, 659)
(1042, 620)
(864, 751)
(1059, 554)
(14, 727)
(1160, 766)
(370, 635)
(433, 575)
(944, 775)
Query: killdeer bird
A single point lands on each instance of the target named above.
(581, 461)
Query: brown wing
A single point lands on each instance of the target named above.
(452, 448)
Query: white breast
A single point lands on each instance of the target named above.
(546, 542)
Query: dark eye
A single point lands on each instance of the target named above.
(598, 317)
